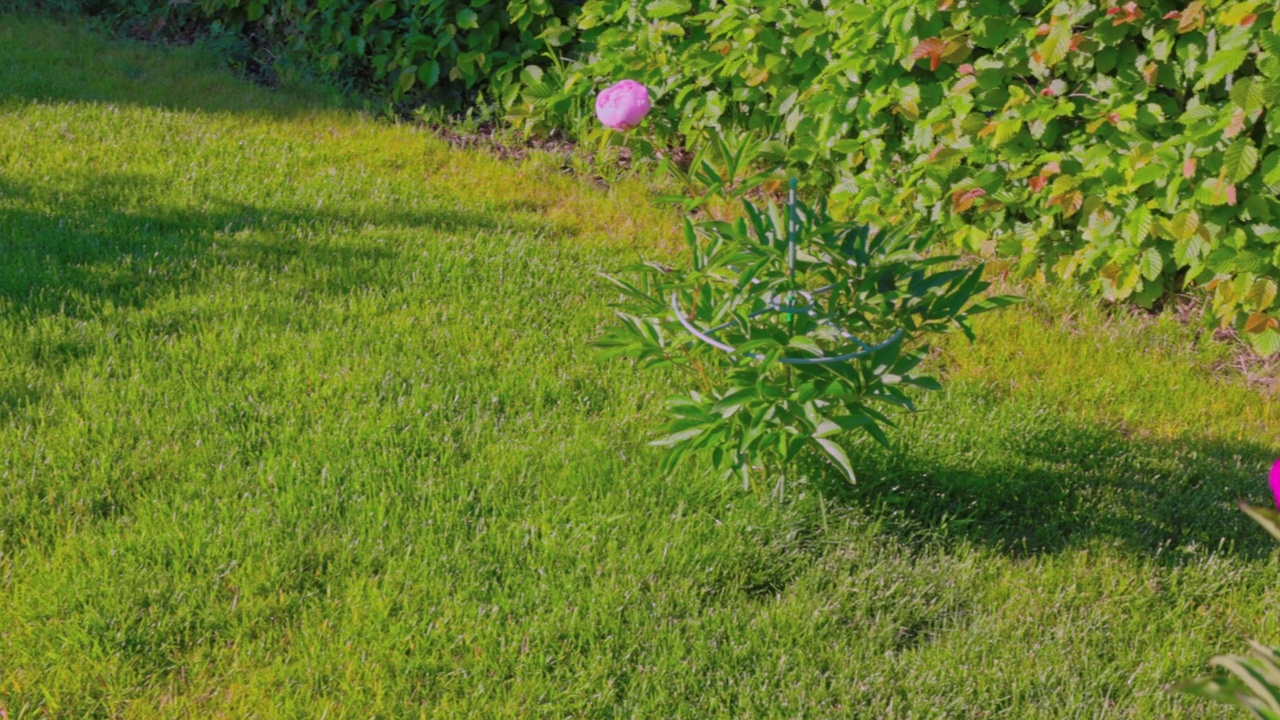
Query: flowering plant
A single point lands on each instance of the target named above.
(792, 329)
(623, 106)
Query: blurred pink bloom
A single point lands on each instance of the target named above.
(623, 106)
(1275, 482)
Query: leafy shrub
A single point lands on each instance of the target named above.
(1129, 147)
(788, 346)
(1251, 682)
(392, 47)
(1132, 147)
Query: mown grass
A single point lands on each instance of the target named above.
(298, 418)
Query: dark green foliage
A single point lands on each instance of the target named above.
(391, 47)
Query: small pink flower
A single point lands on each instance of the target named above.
(623, 106)
(965, 69)
(1275, 482)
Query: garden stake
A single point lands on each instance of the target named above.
(791, 248)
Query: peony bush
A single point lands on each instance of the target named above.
(791, 328)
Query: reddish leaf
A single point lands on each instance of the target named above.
(932, 49)
(1191, 18)
(1237, 124)
(962, 200)
(1126, 13)
(1069, 201)
(1257, 322)
(1189, 168)
(1149, 73)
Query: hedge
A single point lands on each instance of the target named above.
(1130, 147)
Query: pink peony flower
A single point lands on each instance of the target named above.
(1275, 482)
(623, 106)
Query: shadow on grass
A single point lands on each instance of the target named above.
(1057, 484)
(43, 60)
(68, 252)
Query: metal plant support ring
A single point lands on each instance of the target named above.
(824, 360)
(788, 310)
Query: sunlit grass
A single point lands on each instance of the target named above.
(298, 418)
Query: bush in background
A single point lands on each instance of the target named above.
(1131, 147)
(390, 48)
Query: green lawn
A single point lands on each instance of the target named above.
(299, 418)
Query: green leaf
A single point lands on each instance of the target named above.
(407, 77)
(1214, 191)
(1147, 174)
(1265, 343)
(1138, 224)
(836, 453)
(467, 19)
(667, 8)
(429, 73)
(1239, 160)
(1057, 43)
(1220, 65)
(1151, 263)
(678, 438)
(1265, 516)
(806, 344)
(1247, 93)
